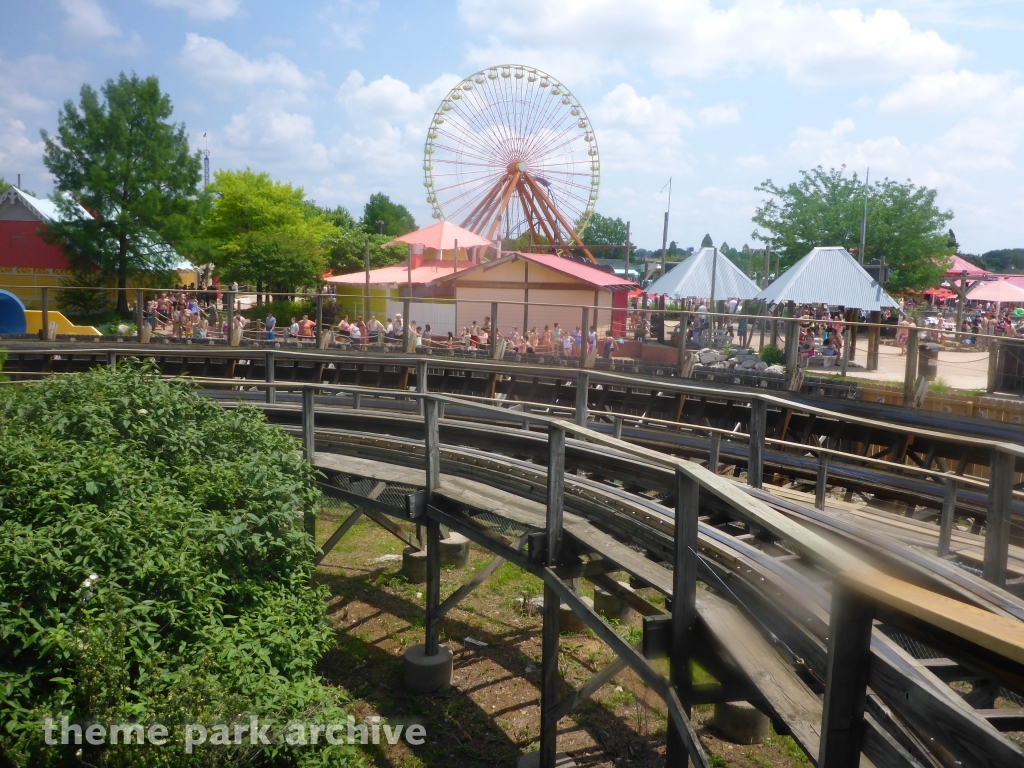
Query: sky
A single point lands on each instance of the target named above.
(337, 95)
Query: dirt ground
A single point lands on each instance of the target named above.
(491, 715)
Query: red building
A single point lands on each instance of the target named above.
(27, 261)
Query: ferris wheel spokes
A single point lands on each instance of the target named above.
(514, 154)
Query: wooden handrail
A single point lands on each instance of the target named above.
(995, 633)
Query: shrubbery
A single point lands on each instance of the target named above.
(154, 568)
(772, 355)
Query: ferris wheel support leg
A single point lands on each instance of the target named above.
(546, 201)
(494, 230)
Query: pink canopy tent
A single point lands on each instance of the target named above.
(442, 237)
(1000, 291)
(960, 266)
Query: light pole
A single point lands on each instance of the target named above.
(664, 231)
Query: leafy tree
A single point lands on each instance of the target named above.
(339, 216)
(123, 160)
(346, 251)
(674, 252)
(395, 218)
(265, 233)
(149, 575)
(707, 242)
(78, 296)
(604, 230)
(824, 208)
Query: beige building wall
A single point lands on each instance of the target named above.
(475, 304)
(565, 308)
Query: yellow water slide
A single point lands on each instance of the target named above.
(34, 323)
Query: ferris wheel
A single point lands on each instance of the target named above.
(510, 152)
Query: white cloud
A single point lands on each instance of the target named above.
(946, 91)
(624, 106)
(808, 42)
(267, 137)
(388, 99)
(349, 21)
(719, 114)
(18, 153)
(754, 162)
(214, 62)
(87, 19)
(640, 133)
(833, 147)
(213, 10)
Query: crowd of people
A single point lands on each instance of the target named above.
(185, 315)
(552, 340)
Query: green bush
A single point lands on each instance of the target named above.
(77, 294)
(284, 311)
(154, 569)
(772, 355)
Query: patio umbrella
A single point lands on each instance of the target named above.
(442, 237)
(999, 291)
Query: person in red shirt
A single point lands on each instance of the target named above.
(306, 326)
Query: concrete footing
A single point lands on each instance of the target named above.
(414, 565)
(740, 722)
(611, 607)
(455, 550)
(426, 674)
(569, 621)
(532, 760)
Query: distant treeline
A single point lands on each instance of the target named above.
(1000, 260)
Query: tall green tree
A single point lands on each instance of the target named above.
(604, 230)
(707, 242)
(339, 216)
(265, 233)
(824, 208)
(380, 213)
(118, 154)
(346, 251)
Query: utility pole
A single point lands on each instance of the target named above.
(864, 220)
(664, 233)
(714, 269)
(625, 275)
(366, 301)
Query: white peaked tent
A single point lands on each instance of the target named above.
(829, 276)
(692, 278)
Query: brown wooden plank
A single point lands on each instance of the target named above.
(995, 633)
(789, 700)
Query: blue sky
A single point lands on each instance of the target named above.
(336, 96)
